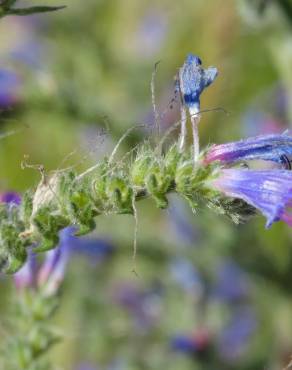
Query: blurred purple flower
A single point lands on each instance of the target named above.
(26, 276)
(96, 250)
(259, 123)
(235, 337)
(231, 282)
(186, 275)
(182, 343)
(178, 217)
(144, 305)
(9, 88)
(28, 53)
(151, 33)
(50, 273)
(269, 191)
(193, 343)
(276, 148)
(10, 197)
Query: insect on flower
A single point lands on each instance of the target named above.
(192, 80)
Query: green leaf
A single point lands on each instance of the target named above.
(33, 10)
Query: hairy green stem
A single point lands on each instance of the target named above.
(111, 187)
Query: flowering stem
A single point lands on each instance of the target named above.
(65, 199)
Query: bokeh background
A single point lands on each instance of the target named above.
(209, 294)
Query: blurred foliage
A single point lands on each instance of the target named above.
(82, 77)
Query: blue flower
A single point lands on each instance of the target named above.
(183, 343)
(236, 335)
(192, 343)
(9, 86)
(186, 275)
(26, 276)
(193, 80)
(276, 148)
(231, 282)
(269, 191)
(10, 197)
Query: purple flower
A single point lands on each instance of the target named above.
(150, 33)
(231, 283)
(52, 271)
(95, 250)
(28, 52)
(49, 274)
(193, 80)
(143, 304)
(186, 275)
(269, 191)
(181, 224)
(26, 276)
(276, 148)
(193, 343)
(10, 197)
(259, 123)
(234, 338)
(9, 85)
(183, 343)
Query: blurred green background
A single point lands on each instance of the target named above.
(209, 295)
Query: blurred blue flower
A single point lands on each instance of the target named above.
(179, 218)
(258, 123)
(186, 275)
(95, 249)
(143, 304)
(235, 337)
(9, 88)
(151, 33)
(194, 343)
(231, 283)
(182, 343)
(10, 197)
(50, 273)
(26, 276)
(28, 53)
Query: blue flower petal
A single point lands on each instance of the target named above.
(276, 148)
(269, 191)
